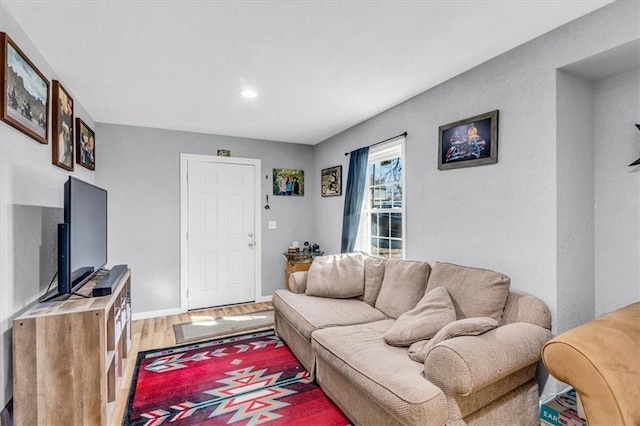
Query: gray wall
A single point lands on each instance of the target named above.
(617, 191)
(575, 252)
(140, 167)
(31, 201)
(504, 216)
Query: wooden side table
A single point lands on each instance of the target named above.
(297, 262)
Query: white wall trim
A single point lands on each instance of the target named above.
(156, 314)
(184, 164)
(264, 299)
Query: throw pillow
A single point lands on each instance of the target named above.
(475, 292)
(433, 311)
(338, 276)
(418, 351)
(373, 275)
(403, 285)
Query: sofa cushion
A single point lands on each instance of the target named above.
(308, 313)
(338, 276)
(475, 292)
(383, 372)
(465, 327)
(433, 311)
(403, 285)
(373, 274)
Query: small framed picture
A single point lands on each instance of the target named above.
(331, 179)
(469, 142)
(62, 127)
(85, 145)
(288, 182)
(25, 93)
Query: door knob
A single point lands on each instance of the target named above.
(250, 235)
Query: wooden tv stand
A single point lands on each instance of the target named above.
(68, 357)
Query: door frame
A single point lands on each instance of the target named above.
(184, 219)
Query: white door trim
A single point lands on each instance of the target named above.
(184, 270)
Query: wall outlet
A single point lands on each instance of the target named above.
(272, 224)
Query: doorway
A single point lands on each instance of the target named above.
(220, 231)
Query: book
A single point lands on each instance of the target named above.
(561, 410)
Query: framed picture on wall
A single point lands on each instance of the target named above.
(289, 182)
(25, 92)
(469, 142)
(85, 145)
(331, 179)
(62, 127)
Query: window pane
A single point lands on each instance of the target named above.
(396, 225)
(396, 254)
(378, 196)
(396, 191)
(374, 225)
(377, 174)
(374, 246)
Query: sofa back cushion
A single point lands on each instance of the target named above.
(340, 276)
(526, 308)
(373, 274)
(475, 292)
(433, 311)
(403, 285)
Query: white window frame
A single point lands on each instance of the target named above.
(377, 154)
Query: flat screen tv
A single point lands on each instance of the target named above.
(82, 239)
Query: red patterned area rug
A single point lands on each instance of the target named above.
(249, 379)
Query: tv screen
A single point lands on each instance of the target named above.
(85, 213)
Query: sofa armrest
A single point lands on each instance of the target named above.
(298, 282)
(464, 364)
(600, 359)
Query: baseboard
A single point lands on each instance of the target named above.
(176, 311)
(155, 314)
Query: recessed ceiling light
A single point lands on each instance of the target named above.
(248, 93)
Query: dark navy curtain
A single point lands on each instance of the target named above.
(354, 197)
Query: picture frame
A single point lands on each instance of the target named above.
(331, 181)
(62, 140)
(469, 142)
(25, 92)
(288, 182)
(85, 145)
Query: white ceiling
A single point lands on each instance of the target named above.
(319, 67)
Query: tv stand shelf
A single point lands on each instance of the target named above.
(68, 357)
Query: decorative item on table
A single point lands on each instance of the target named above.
(306, 248)
(62, 127)
(224, 153)
(293, 250)
(25, 92)
(469, 142)
(637, 162)
(315, 248)
(331, 180)
(288, 182)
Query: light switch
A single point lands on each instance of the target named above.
(272, 224)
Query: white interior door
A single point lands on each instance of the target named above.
(220, 233)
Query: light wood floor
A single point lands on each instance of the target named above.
(155, 333)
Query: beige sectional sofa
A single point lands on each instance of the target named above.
(397, 342)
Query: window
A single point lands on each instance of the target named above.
(382, 225)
